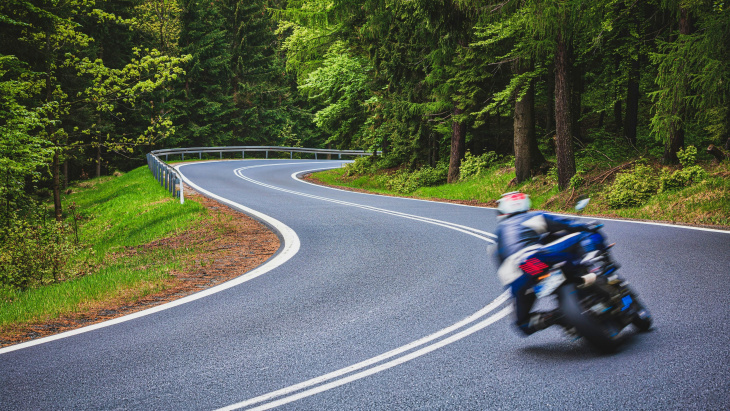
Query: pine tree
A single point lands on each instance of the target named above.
(203, 107)
(260, 85)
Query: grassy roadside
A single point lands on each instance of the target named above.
(706, 203)
(137, 247)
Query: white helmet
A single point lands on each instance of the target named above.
(513, 202)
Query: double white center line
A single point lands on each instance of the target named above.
(415, 349)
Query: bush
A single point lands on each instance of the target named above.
(472, 166)
(361, 165)
(405, 182)
(33, 253)
(688, 175)
(577, 181)
(632, 188)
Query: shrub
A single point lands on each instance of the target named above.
(361, 165)
(402, 182)
(472, 166)
(405, 182)
(688, 175)
(577, 181)
(632, 188)
(33, 253)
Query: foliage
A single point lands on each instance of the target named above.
(117, 216)
(473, 166)
(361, 165)
(79, 94)
(632, 188)
(159, 22)
(34, 252)
(340, 85)
(23, 153)
(406, 182)
(689, 174)
(693, 70)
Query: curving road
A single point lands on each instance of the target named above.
(385, 303)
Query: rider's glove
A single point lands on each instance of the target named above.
(593, 226)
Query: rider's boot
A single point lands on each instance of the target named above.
(542, 320)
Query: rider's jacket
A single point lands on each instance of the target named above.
(519, 231)
(519, 235)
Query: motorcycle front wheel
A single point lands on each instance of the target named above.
(576, 308)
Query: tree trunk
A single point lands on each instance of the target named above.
(432, 149)
(550, 94)
(458, 146)
(727, 129)
(522, 129)
(632, 92)
(617, 105)
(56, 166)
(564, 134)
(57, 185)
(617, 111)
(632, 103)
(718, 153)
(576, 95)
(527, 155)
(98, 161)
(676, 133)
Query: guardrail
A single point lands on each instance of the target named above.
(171, 180)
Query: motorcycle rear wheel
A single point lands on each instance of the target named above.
(602, 334)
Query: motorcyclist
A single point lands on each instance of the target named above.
(521, 239)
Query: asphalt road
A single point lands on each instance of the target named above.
(385, 303)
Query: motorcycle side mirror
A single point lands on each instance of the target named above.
(582, 204)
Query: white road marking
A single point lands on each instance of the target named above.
(393, 353)
(368, 372)
(687, 227)
(291, 247)
(430, 342)
(464, 229)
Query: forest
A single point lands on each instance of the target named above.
(89, 86)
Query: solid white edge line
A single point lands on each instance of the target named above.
(714, 230)
(467, 230)
(398, 213)
(369, 362)
(291, 247)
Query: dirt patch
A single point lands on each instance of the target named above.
(229, 244)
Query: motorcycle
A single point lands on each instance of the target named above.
(595, 302)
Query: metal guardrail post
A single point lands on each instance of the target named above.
(166, 176)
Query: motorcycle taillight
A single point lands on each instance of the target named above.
(533, 266)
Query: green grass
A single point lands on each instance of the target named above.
(482, 188)
(117, 213)
(126, 282)
(705, 203)
(129, 210)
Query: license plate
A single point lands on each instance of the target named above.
(549, 284)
